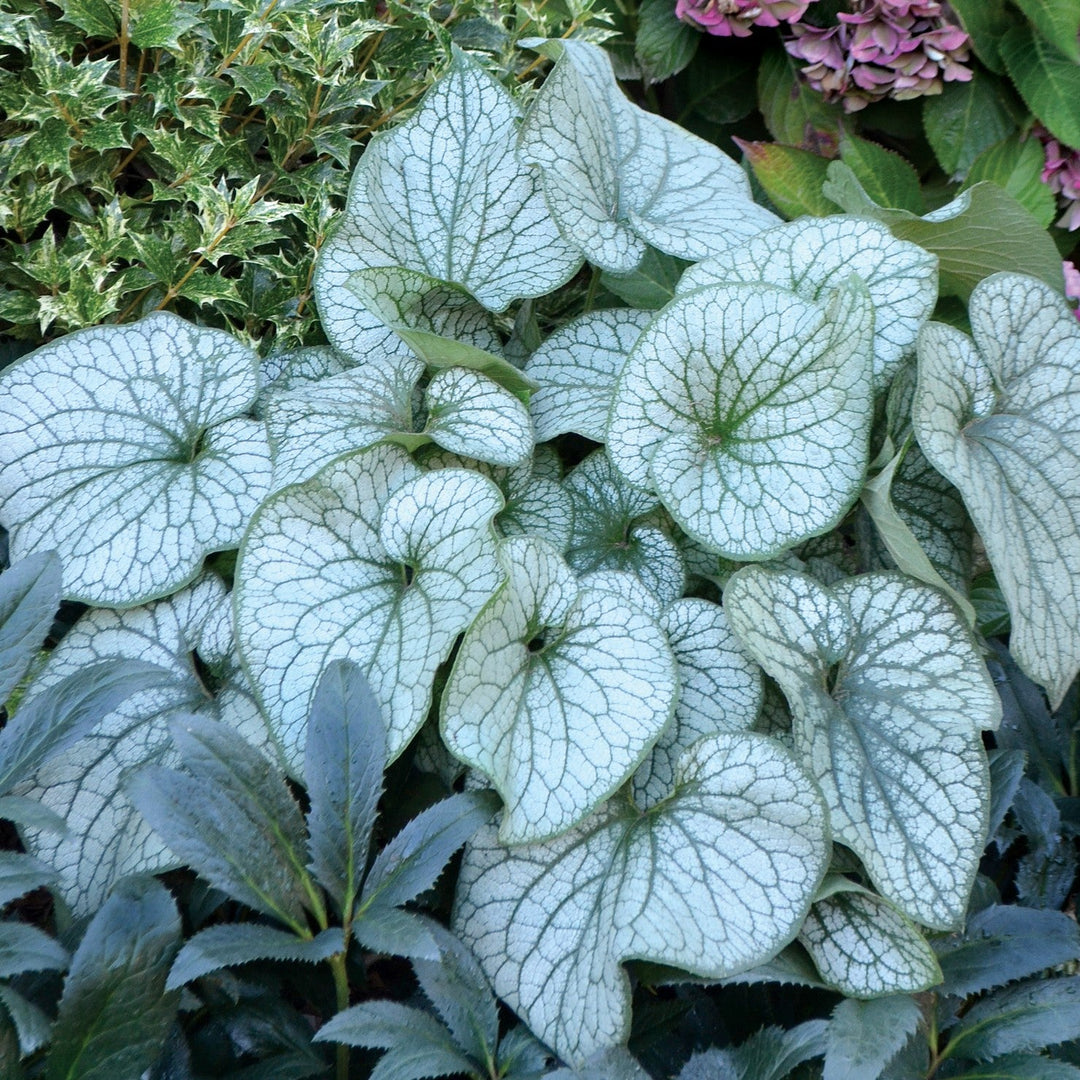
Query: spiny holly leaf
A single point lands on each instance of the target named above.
(618, 178)
(29, 597)
(996, 417)
(556, 694)
(866, 947)
(576, 368)
(444, 194)
(747, 409)
(714, 880)
(128, 451)
(363, 562)
(888, 693)
(813, 256)
(613, 531)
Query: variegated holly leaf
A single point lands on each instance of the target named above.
(576, 368)
(714, 880)
(557, 693)
(128, 450)
(888, 694)
(445, 195)
(189, 635)
(747, 409)
(866, 947)
(368, 561)
(615, 529)
(618, 178)
(814, 256)
(720, 690)
(997, 417)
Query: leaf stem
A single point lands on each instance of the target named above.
(341, 995)
(594, 284)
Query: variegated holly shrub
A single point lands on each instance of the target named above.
(681, 571)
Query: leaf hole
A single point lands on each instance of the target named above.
(536, 644)
(407, 574)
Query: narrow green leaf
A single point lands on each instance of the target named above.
(773, 1052)
(29, 597)
(20, 873)
(1021, 1067)
(33, 1026)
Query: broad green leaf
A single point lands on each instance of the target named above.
(747, 409)
(1047, 78)
(20, 873)
(888, 695)
(229, 944)
(795, 114)
(576, 368)
(344, 758)
(994, 416)
(986, 22)
(1058, 21)
(85, 784)
(615, 529)
(1016, 165)
(664, 45)
(866, 948)
(714, 880)
(890, 179)
(864, 1036)
(900, 277)
(651, 285)
(720, 690)
(791, 178)
(556, 694)
(115, 1012)
(26, 948)
(964, 120)
(445, 194)
(618, 178)
(29, 597)
(382, 575)
(128, 450)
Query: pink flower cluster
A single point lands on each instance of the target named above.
(1072, 284)
(1062, 175)
(883, 48)
(734, 18)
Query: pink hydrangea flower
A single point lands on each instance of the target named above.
(883, 48)
(1061, 174)
(735, 18)
(1072, 284)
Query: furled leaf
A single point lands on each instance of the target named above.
(994, 416)
(866, 948)
(128, 450)
(900, 277)
(714, 880)
(115, 1011)
(1047, 78)
(888, 695)
(576, 368)
(26, 948)
(747, 409)
(864, 1036)
(618, 178)
(384, 576)
(29, 597)
(556, 694)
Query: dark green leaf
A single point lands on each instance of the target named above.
(1048, 81)
(991, 611)
(1006, 772)
(795, 114)
(664, 44)
(1021, 1067)
(1058, 21)
(1045, 875)
(395, 932)
(19, 874)
(651, 285)
(965, 119)
(887, 177)
(773, 1052)
(864, 1036)
(986, 21)
(26, 948)
(29, 597)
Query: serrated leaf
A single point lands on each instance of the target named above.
(1016, 165)
(618, 178)
(890, 179)
(986, 21)
(888, 695)
(393, 581)
(31, 1023)
(964, 120)
(864, 1036)
(115, 1011)
(575, 371)
(26, 948)
(664, 45)
(1058, 21)
(129, 452)
(772, 1052)
(217, 947)
(344, 758)
(866, 948)
(993, 416)
(575, 671)
(901, 278)
(1047, 78)
(714, 880)
(29, 597)
(1022, 1067)
(791, 178)
(754, 438)
(20, 873)
(444, 194)
(397, 932)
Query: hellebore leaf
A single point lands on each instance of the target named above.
(29, 597)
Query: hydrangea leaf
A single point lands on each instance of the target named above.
(556, 694)
(997, 418)
(367, 561)
(128, 450)
(747, 409)
(720, 690)
(445, 194)
(618, 178)
(613, 531)
(715, 880)
(888, 694)
(576, 368)
(106, 837)
(813, 256)
(866, 947)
